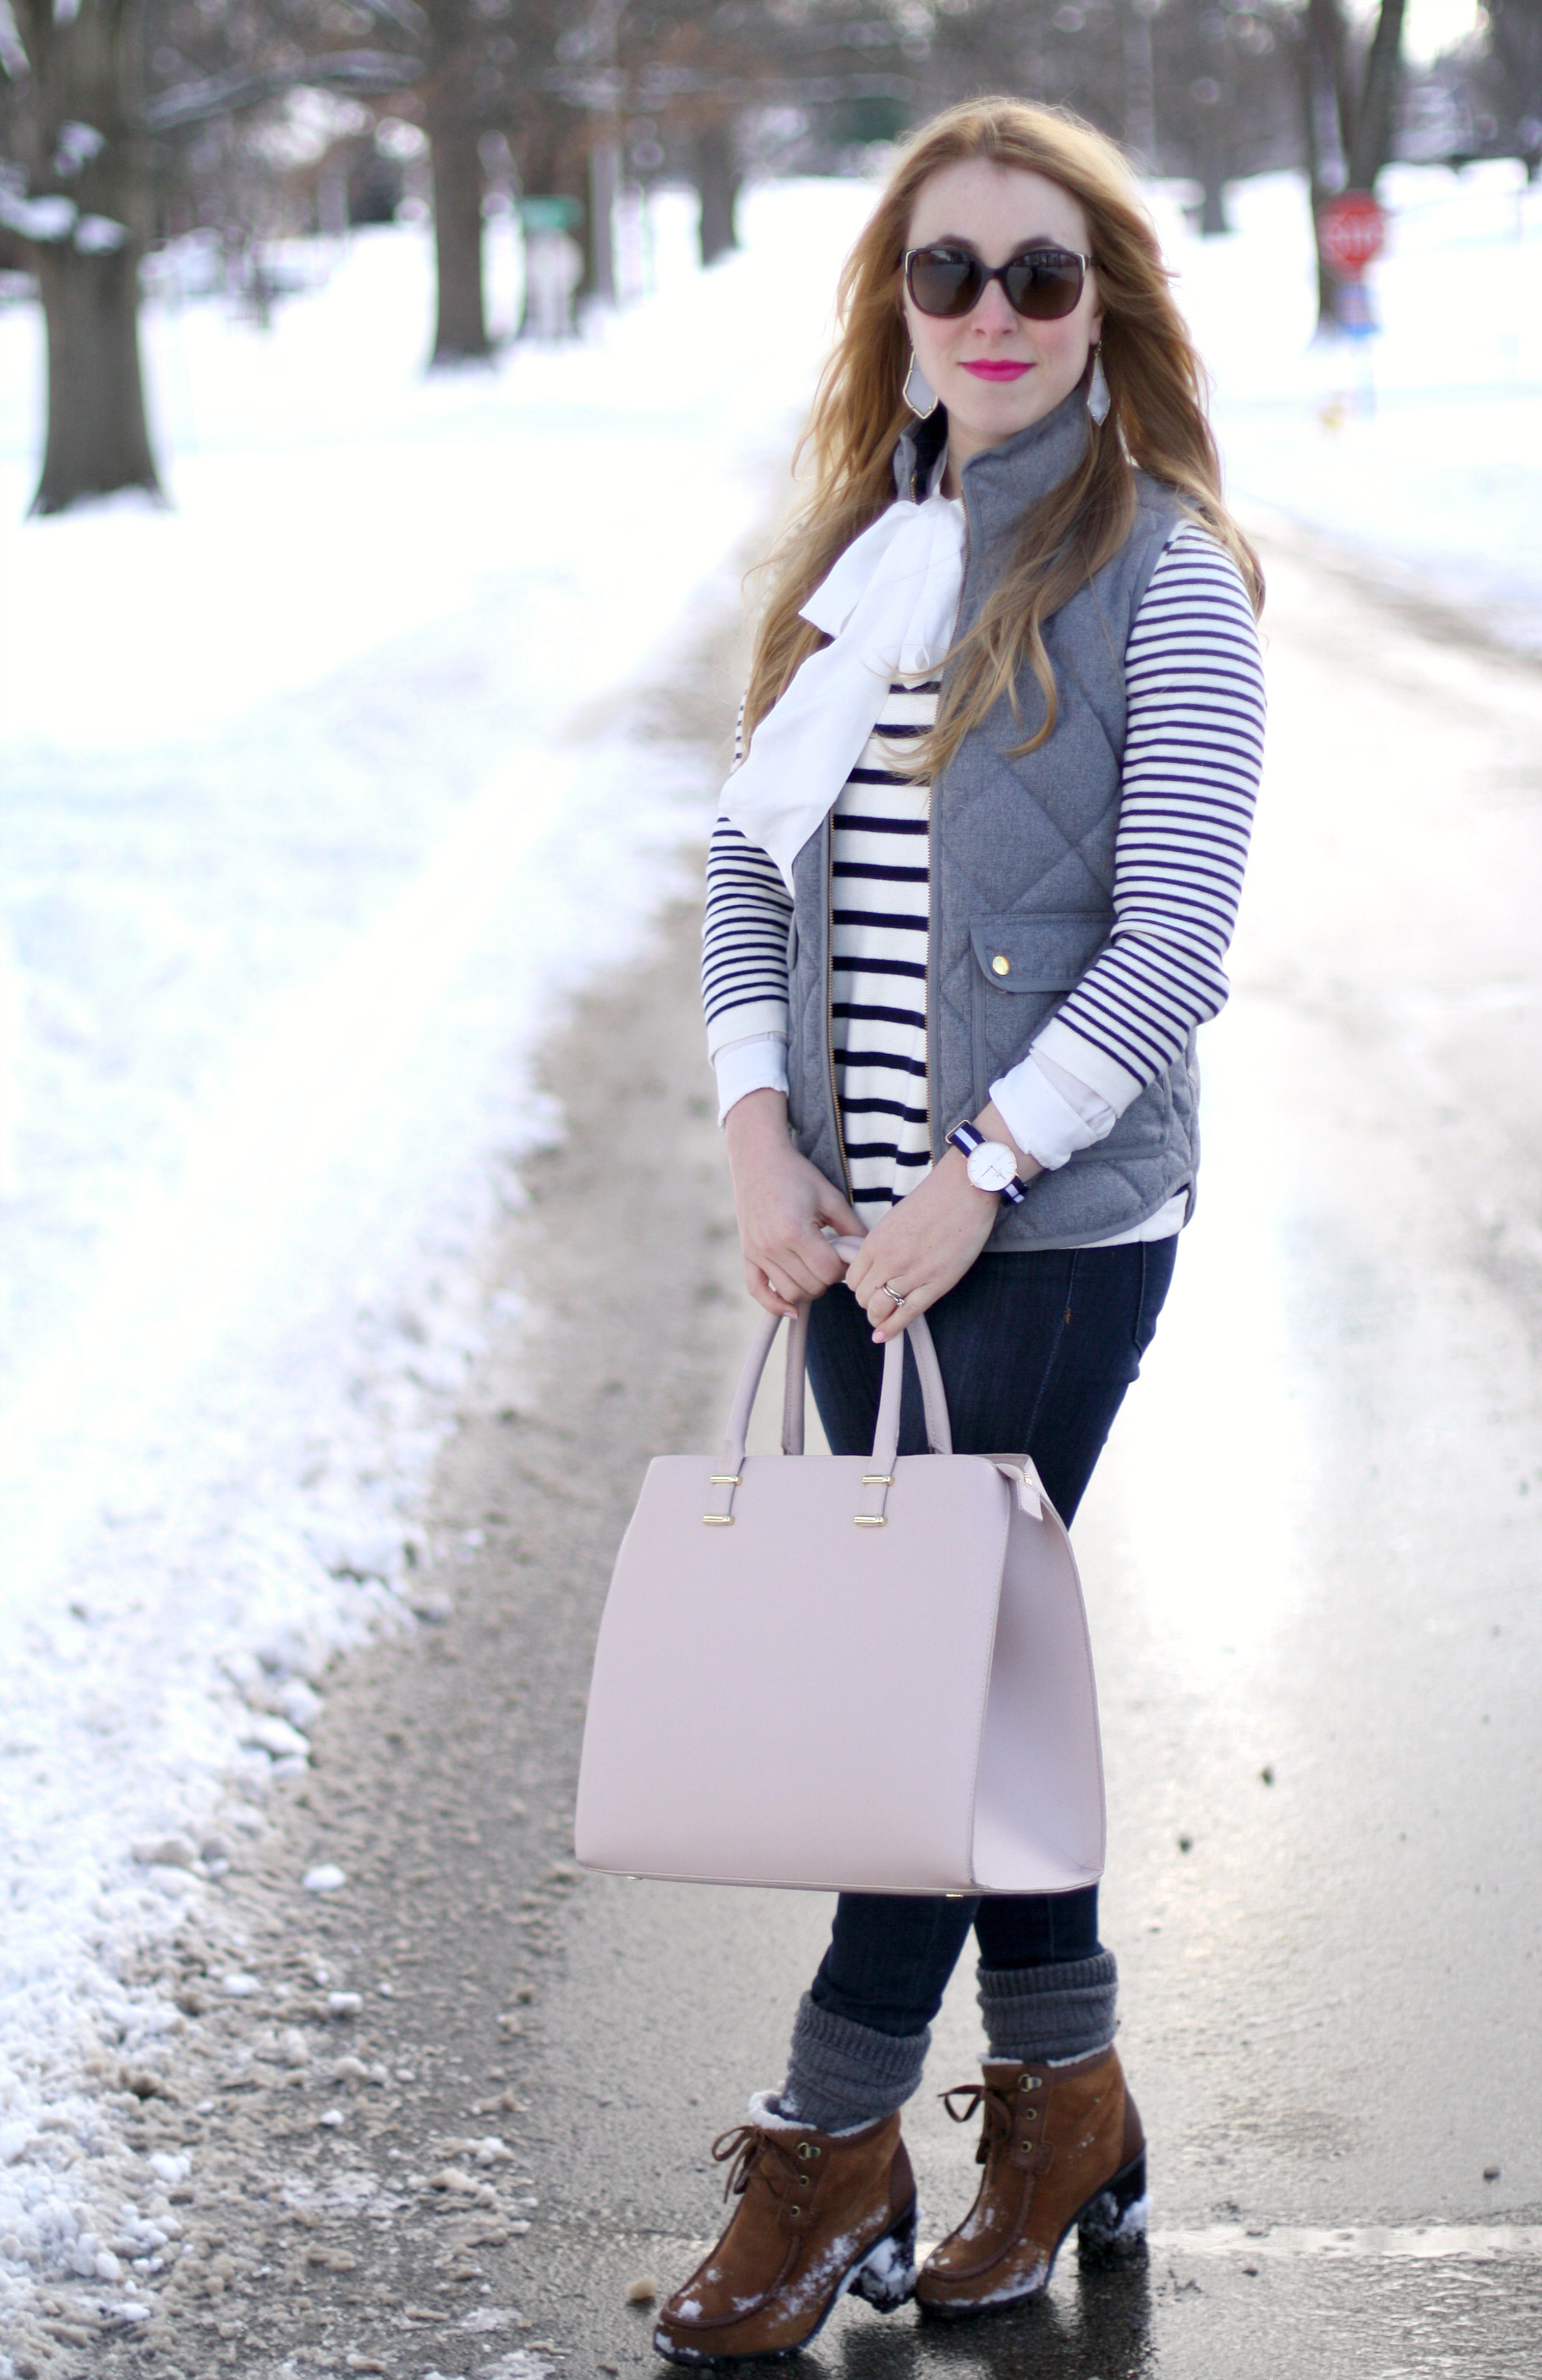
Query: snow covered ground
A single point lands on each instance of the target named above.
(323, 790)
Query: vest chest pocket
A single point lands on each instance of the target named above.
(1023, 967)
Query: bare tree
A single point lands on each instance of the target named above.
(717, 183)
(84, 215)
(1507, 80)
(1370, 118)
(1349, 92)
(85, 129)
(1191, 87)
(682, 73)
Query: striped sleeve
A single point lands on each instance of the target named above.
(744, 942)
(1193, 755)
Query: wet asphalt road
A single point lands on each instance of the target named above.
(1312, 1562)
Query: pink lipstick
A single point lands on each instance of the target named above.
(1001, 369)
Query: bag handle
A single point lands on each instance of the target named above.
(886, 1434)
(934, 1399)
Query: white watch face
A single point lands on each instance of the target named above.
(992, 1165)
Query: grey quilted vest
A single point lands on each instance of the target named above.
(1022, 867)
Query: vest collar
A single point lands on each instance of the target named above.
(918, 453)
(1004, 480)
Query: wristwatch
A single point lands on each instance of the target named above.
(992, 1164)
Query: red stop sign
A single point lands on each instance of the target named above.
(1352, 231)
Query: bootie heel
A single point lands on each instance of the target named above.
(1113, 2223)
(887, 2274)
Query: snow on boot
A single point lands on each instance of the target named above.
(818, 2214)
(1060, 2145)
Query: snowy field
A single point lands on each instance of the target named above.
(1420, 448)
(323, 789)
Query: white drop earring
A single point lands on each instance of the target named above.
(919, 392)
(1097, 397)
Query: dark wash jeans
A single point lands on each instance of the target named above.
(1037, 1350)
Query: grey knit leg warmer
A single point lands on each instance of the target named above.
(842, 2074)
(1049, 2012)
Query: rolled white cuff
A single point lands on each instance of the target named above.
(1049, 1111)
(757, 1063)
(1091, 1067)
(747, 1020)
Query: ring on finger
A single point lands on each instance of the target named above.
(897, 1294)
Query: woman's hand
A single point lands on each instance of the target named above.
(931, 1238)
(781, 1201)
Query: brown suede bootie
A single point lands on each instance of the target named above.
(1060, 2145)
(819, 2214)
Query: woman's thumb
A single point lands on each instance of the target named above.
(834, 1210)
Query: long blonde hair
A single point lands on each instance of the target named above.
(1157, 421)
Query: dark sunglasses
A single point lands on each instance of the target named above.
(1043, 284)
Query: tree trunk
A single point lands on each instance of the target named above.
(1376, 120)
(718, 187)
(1140, 89)
(1335, 85)
(1364, 128)
(98, 439)
(84, 82)
(605, 178)
(1212, 166)
(1310, 81)
(460, 335)
(1327, 280)
(551, 162)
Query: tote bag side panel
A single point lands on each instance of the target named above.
(794, 1700)
(1039, 1823)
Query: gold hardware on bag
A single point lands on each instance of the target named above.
(871, 1520)
(729, 1479)
(878, 1479)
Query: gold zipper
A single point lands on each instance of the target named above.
(829, 996)
(936, 1128)
(933, 1140)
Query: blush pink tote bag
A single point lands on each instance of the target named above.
(834, 1672)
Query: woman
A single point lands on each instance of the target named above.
(967, 905)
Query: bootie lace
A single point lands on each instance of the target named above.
(751, 2153)
(996, 2130)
